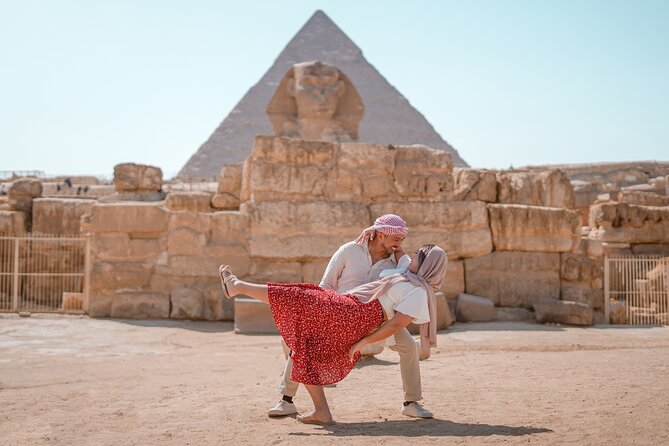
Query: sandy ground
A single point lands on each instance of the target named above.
(75, 380)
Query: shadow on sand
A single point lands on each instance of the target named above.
(201, 326)
(422, 428)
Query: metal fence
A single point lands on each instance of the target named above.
(636, 290)
(37, 271)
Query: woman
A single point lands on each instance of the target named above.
(326, 330)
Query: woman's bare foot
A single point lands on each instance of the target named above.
(227, 281)
(313, 418)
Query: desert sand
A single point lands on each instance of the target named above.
(73, 380)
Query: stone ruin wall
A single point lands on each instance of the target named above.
(513, 236)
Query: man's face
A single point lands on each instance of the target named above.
(390, 243)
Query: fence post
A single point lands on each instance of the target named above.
(87, 274)
(607, 291)
(15, 278)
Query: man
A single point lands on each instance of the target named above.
(353, 264)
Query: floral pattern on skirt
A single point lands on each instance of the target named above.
(320, 326)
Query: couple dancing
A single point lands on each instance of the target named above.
(327, 326)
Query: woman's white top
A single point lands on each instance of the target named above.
(402, 266)
(407, 299)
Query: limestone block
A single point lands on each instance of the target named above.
(534, 228)
(225, 201)
(643, 198)
(507, 314)
(129, 217)
(364, 172)
(627, 223)
(73, 301)
(184, 241)
(59, 216)
(100, 304)
(472, 308)
(423, 173)
(262, 271)
(113, 276)
(252, 316)
(618, 313)
(186, 303)
(313, 270)
(550, 188)
(125, 196)
(460, 227)
(140, 305)
(230, 180)
(454, 283)
(651, 248)
(13, 222)
(514, 279)
(364, 159)
(289, 169)
(120, 247)
(195, 201)
(22, 192)
(131, 177)
(444, 319)
(474, 184)
(216, 307)
(563, 312)
(229, 228)
(582, 280)
(303, 230)
(206, 264)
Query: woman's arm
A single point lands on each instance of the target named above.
(385, 330)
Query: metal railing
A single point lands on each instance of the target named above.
(37, 271)
(636, 290)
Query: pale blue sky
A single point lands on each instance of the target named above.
(87, 84)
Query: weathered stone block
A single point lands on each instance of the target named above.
(651, 248)
(59, 216)
(252, 316)
(423, 173)
(474, 184)
(507, 314)
(140, 305)
(454, 283)
(230, 180)
(184, 241)
(550, 188)
(230, 228)
(262, 271)
(225, 201)
(131, 177)
(643, 198)
(461, 227)
(514, 279)
(114, 276)
(293, 231)
(194, 201)
(121, 247)
(13, 222)
(563, 312)
(472, 308)
(627, 223)
(129, 217)
(582, 280)
(534, 228)
(21, 193)
(313, 270)
(186, 303)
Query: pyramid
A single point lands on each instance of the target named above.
(389, 118)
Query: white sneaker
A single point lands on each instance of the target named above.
(416, 410)
(282, 409)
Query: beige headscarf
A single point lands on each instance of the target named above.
(430, 276)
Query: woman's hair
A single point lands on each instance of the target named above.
(422, 253)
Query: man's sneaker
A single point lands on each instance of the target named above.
(282, 409)
(416, 410)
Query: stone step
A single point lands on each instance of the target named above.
(253, 316)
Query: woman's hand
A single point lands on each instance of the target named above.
(366, 234)
(356, 348)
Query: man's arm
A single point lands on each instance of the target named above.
(385, 330)
(333, 271)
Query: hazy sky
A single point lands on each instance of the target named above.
(87, 84)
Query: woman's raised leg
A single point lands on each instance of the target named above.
(233, 286)
(321, 413)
